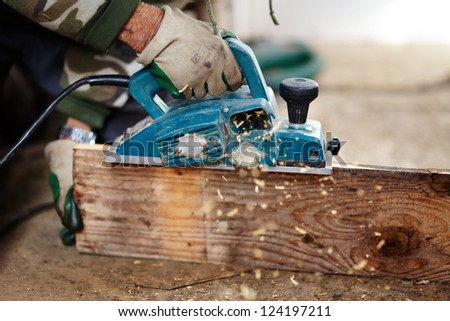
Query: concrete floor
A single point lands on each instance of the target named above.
(391, 105)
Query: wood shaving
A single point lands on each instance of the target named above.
(219, 194)
(248, 293)
(207, 207)
(293, 280)
(222, 226)
(242, 173)
(250, 206)
(328, 178)
(301, 231)
(255, 172)
(260, 231)
(422, 282)
(233, 212)
(381, 244)
(259, 182)
(361, 265)
(258, 253)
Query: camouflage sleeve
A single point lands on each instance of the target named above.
(95, 23)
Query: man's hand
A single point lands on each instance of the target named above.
(185, 55)
(59, 154)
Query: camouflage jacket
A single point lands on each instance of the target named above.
(95, 23)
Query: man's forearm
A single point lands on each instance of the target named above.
(95, 23)
(141, 27)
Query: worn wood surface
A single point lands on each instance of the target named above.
(361, 220)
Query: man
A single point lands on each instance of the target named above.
(185, 53)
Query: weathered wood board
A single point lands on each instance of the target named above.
(361, 220)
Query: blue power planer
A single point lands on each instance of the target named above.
(237, 129)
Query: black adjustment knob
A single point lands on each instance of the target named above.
(298, 94)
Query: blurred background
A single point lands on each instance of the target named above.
(349, 21)
(383, 67)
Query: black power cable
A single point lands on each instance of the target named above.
(106, 80)
(25, 215)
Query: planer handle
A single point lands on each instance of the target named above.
(144, 86)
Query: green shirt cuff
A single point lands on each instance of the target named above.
(86, 111)
(102, 31)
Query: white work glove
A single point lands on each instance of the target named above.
(59, 153)
(188, 59)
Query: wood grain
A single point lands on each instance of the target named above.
(361, 221)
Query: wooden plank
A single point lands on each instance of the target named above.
(362, 220)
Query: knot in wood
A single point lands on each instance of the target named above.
(441, 183)
(393, 242)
